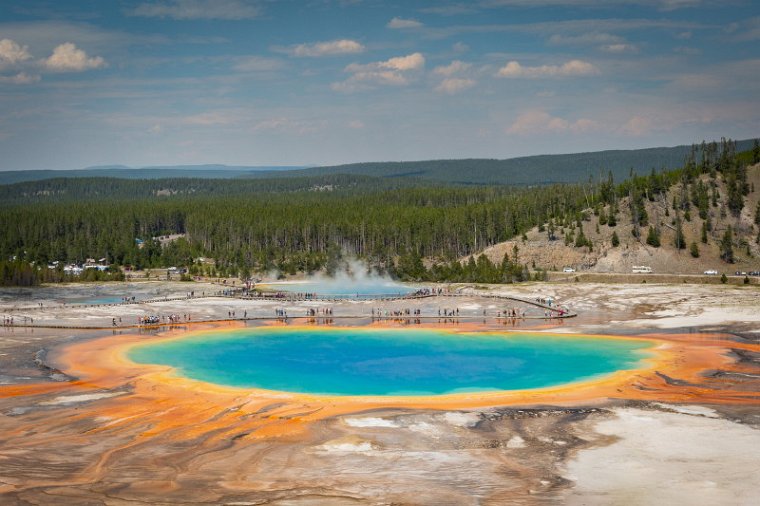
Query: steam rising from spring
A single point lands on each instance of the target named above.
(350, 278)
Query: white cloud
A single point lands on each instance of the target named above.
(729, 79)
(454, 85)
(327, 48)
(450, 10)
(571, 26)
(619, 48)
(749, 30)
(365, 80)
(455, 67)
(20, 78)
(637, 126)
(538, 121)
(197, 9)
(687, 50)
(451, 85)
(356, 124)
(12, 53)
(568, 69)
(588, 38)
(666, 5)
(671, 5)
(68, 58)
(412, 61)
(460, 47)
(399, 23)
(290, 126)
(602, 40)
(393, 72)
(582, 125)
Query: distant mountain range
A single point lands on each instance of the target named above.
(157, 172)
(529, 170)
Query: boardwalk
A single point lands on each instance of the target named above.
(555, 312)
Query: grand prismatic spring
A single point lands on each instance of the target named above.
(356, 361)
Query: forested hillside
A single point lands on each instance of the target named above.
(158, 172)
(287, 231)
(530, 170)
(306, 224)
(95, 188)
(689, 223)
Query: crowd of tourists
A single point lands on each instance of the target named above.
(158, 319)
(323, 311)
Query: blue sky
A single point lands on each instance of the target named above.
(278, 82)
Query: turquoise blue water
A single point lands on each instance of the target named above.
(364, 361)
(101, 300)
(346, 289)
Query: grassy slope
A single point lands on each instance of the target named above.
(665, 259)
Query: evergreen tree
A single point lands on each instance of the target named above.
(727, 246)
(470, 270)
(615, 239)
(653, 237)
(735, 196)
(702, 200)
(679, 241)
(580, 239)
(694, 250)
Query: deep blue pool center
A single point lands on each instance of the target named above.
(401, 362)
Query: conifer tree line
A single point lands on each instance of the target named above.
(303, 225)
(288, 232)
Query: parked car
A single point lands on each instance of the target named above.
(568, 269)
(711, 272)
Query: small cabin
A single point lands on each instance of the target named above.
(73, 269)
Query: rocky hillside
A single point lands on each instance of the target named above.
(536, 248)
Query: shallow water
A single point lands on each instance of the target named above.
(346, 289)
(90, 293)
(353, 361)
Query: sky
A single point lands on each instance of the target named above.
(318, 82)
